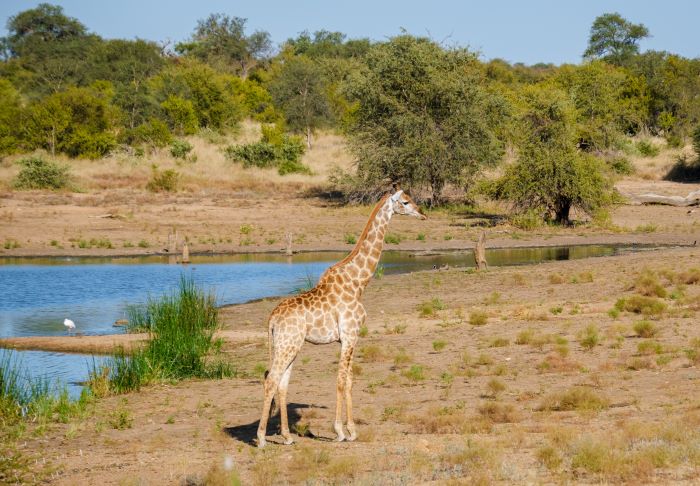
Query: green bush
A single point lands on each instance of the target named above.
(696, 141)
(38, 173)
(180, 149)
(153, 133)
(647, 149)
(165, 181)
(181, 115)
(621, 166)
(284, 154)
(527, 220)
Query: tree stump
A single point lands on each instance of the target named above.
(288, 238)
(480, 253)
(185, 253)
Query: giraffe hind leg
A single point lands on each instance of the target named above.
(282, 402)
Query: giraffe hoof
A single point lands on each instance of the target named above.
(288, 441)
(261, 442)
(352, 438)
(340, 438)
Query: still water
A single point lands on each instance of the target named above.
(37, 294)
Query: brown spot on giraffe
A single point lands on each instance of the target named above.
(330, 312)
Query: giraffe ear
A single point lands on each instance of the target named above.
(395, 187)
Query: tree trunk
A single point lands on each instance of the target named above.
(562, 213)
(480, 252)
(308, 137)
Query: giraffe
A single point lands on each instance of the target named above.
(330, 312)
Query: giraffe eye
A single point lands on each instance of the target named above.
(405, 203)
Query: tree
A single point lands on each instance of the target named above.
(128, 65)
(551, 174)
(10, 110)
(614, 39)
(328, 44)
(610, 101)
(79, 122)
(422, 116)
(209, 92)
(44, 24)
(221, 42)
(299, 90)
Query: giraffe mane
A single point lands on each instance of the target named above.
(363, 236)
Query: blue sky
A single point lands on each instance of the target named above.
(518, 31)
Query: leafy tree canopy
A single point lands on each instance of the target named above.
(221, 41)
(422, 116)
(614, 39)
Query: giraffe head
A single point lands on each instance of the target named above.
(402, 203)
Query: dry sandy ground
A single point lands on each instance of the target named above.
(464, 395)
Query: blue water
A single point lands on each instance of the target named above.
(36, 295)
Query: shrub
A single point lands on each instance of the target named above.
(527, 220)
(414, 373)
(499, 413)
(647, 284)
(621, 166)
(153, 133)
(392, 239)
(647, 149)
(579, 398)
(350, 239)
(589, 338)
(38, 173)
(478, 318)
(649, 347)
(284, 154)
(640, 304)
(163, 181)
(645, 329)
(439, 345)
(431, 307)
(180, 149)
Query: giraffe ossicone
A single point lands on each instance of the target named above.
(330, 312)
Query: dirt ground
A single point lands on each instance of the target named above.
(462, 393)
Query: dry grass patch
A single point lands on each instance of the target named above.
(556, 363)
(574, 399)
(499, 413)
(371, 353)
(633, 453)
(440, 420)
(639, 304)
(648, 284)
(478, 318)
(645, 329)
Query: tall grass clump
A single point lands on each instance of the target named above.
(181, 328)
(33, 399)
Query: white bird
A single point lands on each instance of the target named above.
(70, 325)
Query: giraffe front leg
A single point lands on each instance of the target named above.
(340, 392)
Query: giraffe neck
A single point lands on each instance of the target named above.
(365, 256)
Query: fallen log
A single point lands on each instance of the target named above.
(691, 199)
